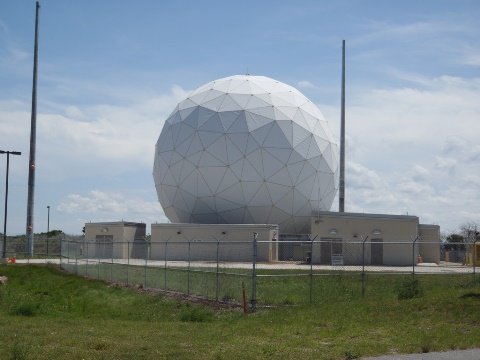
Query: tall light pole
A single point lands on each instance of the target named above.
(6, 201)
(48, 220)
(48, 225)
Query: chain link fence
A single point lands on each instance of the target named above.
(308, 270)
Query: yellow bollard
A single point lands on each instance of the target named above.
(447, 257)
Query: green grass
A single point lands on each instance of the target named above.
(49, 314)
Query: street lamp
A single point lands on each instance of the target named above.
(48, 225)
(6, 201)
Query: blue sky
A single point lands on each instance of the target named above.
(110, 73)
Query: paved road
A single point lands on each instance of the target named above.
(471, 354)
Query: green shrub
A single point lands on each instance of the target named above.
(196, 314)
(410, 289)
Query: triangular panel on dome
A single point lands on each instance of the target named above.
(282, 102)
(169, 179)
(215, 103)
(276, 138)
(210, 202)
(201, 207)
(207, 138)
(302, 147)
(259, 214)
(227, 118)
(252, 144)
(233, 193)
(322, 132)
(240, 87)
(300, 120)
(247, 218)
(241, 99)
(295, 157)
(315, 194)
(176, 158)
(255, 159)
(237, 167)
(218, 150)
(239, 125)
(186, 112)
(266, 97)
(222, 204)
(255, 121)
(288, 98)
(213, 124)
(212, 94)
(265, 111)
(312, 110)
(195, 146)
(311, 120)
(190, 183)
(204, 115)
(294, 170)
(307, 171)
(255, 88)
(287, 111)
(282, 177)
(324, 166)
(266, 84)
(263, 133)
(174, 118)
(277, 216)
(250, 189)
(286, 202)
(299, 134)
(192, 118)
(176, 171)
(187, 103)
(234, 216)
(222, 85)
(165, 140)
(204, 218)
(306, 179)
(203, 187)
(280, 154)
(299, 202)
(277, 191)
(287, 130)
(208, 160)
(172, 115)
(271, 165)
(261, 198)
(229, 179)
(172, 214)
(250, 173)
(180, 203)
(255, 102)
(280, 115)
(167, 197)
(233, 153)
(313, 150)
(184, 132)
(188, 198)
(198, 97)
(213, 176)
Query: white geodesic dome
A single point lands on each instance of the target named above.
(246, 150)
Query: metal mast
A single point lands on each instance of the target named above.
(341, 198)
(33, 136)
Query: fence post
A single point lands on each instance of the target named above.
(217, 278)
(311, 269)
(128, 262)
(254, 274)
(188, 270)
(413, 256)
(86, 263)
(145, 270)
(165, 257)
(363, 266)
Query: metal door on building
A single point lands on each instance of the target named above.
(376, 251)
(329, 247)
(104, 246)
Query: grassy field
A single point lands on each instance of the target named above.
(49, 314)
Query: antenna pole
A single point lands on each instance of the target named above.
(341, 198)
(33, 136)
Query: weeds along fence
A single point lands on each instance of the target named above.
(264, 273)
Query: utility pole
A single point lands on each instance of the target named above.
(33, 137)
